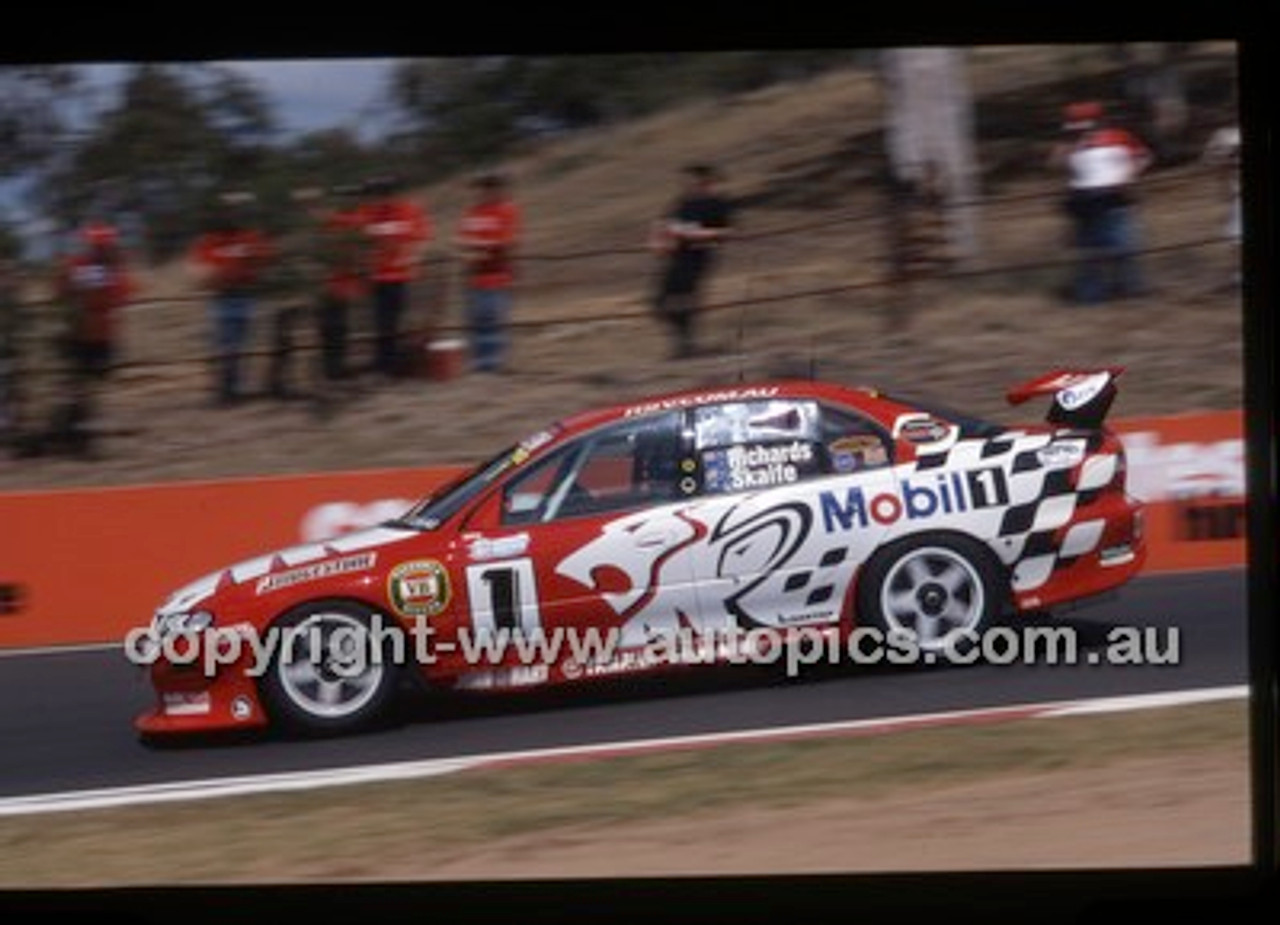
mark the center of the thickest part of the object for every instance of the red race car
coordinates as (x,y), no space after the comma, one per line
(701,521)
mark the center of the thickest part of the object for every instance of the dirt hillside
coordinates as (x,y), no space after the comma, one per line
(800,289)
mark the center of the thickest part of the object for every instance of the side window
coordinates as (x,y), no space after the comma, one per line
(745,446)
(852,443)
(625,466)
(525,498)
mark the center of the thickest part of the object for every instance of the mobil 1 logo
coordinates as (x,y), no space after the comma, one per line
(916,497)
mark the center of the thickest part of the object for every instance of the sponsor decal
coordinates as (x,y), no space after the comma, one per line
(537,441)
(501,547)
(738,468)
(418,588)
(1082,390)
(820,616)
(861,451)
(530,445)
(702,398)
(944,493)
(513,676)
(625,661)
(1061,455)
(921,429)
(1179,471)
(325,521)
(316,571)
(179,703)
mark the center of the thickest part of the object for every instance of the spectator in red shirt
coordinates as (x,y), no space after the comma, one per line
(230,258)
(398,229)
(487,236)
(95,285)
(1102,164)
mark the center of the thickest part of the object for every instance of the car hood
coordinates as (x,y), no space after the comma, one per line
(350,551)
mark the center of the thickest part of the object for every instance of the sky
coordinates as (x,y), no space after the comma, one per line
(316,94)
(305,94)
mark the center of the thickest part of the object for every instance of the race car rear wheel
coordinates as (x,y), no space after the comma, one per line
(943,590)
(329,673)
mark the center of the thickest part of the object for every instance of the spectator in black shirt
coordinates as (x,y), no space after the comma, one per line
(688,238)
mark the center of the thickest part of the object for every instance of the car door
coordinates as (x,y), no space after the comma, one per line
(589,536)
(793,498)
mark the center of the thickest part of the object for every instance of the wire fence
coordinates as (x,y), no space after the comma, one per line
(444,269)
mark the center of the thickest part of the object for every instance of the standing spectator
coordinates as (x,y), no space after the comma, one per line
(1102,164)
(688,237)
(1223,153)
(94,285)
(398,228)
(343,255)
(230,258)
(487,236)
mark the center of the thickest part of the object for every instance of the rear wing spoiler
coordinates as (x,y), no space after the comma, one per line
(1081,398)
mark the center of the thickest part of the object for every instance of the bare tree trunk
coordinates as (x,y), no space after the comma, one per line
(929,131)
(1154,87)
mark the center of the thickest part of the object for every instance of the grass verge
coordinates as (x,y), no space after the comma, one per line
(410,827)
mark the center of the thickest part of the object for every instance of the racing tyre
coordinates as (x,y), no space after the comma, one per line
(329,674)
(940,592)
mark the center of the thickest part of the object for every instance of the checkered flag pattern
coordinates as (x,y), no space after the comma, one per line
(1050,477)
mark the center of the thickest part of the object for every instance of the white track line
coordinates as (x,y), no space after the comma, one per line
(1149,701)
(144,794)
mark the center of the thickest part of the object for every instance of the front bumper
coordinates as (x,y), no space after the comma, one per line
(188,701)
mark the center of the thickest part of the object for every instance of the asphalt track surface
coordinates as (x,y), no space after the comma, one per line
(66,717)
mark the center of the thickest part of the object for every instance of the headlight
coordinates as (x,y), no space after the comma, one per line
(200,620)
(171,624)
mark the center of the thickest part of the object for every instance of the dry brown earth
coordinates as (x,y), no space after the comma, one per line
(794,153)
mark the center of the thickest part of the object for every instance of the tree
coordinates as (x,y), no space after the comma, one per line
(458,110)
(464,111)
(32,118)
(176,136)
(930,134)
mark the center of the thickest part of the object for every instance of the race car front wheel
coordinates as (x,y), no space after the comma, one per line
(330,672)
(939,591)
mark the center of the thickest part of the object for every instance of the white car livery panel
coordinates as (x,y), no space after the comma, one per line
(786,556)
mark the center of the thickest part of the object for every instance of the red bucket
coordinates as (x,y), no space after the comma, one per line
(445,359)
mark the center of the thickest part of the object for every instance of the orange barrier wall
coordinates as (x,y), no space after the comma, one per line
(85,566)
(1190,471)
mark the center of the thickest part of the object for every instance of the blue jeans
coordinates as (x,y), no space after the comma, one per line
(231,315)
(487,311)
(1107,239)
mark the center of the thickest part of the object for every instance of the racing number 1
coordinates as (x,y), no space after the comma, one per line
(503,596)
